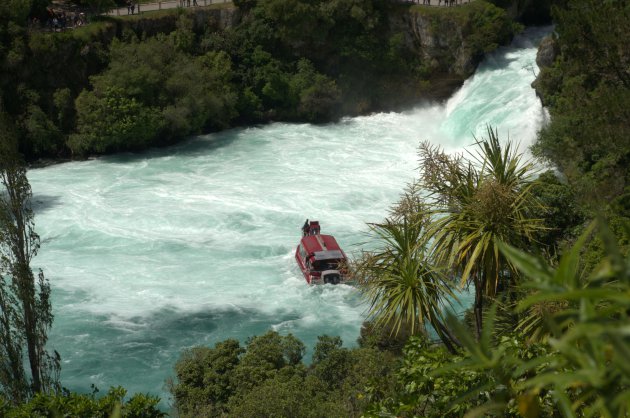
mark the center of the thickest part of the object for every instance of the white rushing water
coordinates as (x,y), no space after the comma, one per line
(151,253)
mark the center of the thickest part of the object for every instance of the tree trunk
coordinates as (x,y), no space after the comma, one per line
(32,346)
(32,311)
(13,379)
(447,337)
(479,286)
(26,284)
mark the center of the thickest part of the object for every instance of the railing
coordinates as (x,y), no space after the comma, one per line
(173,4)
(163,5)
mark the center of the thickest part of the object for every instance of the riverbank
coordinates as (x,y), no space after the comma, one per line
(129,83)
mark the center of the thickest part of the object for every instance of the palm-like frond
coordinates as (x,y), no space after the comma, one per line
(402,288)
(485,201)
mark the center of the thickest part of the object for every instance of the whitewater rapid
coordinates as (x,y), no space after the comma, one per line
(151,253)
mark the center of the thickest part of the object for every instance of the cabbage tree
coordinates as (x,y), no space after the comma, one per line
(403,289)
(474,203)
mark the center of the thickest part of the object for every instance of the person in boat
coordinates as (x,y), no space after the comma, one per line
(305,228)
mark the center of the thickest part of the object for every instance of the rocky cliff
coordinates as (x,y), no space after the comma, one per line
(214,19)
(547,80)
(452,41)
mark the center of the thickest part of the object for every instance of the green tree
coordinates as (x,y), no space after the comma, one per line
(265,357)
(560,212)
(25,299)
(207,378)
(473,205)
(203,386)
(268,378)
(151,94)
(404,290)
(581,367)
(111,122)
(70,404)
(588,89)
(318,96)
(578,366)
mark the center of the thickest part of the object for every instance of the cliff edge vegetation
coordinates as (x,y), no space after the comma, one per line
(585,83)
(128,83)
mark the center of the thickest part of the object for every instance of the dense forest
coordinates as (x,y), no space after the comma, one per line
(123,84)
(547,254)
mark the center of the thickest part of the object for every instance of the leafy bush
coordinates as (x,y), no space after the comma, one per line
(559,209)
(268,378)
(588,89)
(577,366)
(71,404)
(153,93)
(111,122)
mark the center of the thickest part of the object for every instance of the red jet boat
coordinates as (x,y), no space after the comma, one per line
(319,257)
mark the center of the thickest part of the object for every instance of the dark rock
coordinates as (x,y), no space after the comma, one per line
(215,19)
(452,42)
(547,52)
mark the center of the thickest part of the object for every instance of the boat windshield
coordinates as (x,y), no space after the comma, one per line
(321,265)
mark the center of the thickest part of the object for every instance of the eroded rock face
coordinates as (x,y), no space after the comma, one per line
(545,81)
(452,42)
(442,44)
(547,52)
(213,19)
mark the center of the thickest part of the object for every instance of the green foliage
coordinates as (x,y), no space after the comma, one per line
(267,378)
(292,60)
(273,351)
(332,368)
(153,93)
(25,307)
(588,370)
(113,122)
(41,134)
(203,378)
(421,393)
(325,345)
(383,337)
(588,89)
(483,26)
(560,211)
(64,109)
(319,97)
(473,204)
(183,38)
(80,405)
(16,10)
(578,366)
(404,289)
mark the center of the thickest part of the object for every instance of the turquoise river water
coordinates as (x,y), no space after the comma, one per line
(151,253)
